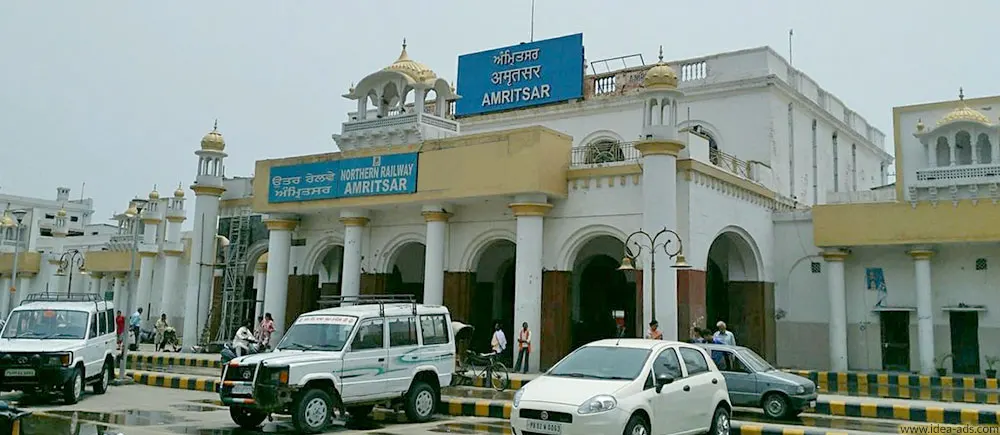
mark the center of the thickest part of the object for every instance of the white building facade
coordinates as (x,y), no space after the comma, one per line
(524,216)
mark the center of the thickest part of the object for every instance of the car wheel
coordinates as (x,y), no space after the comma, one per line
(312,411)
(360,412)
(637,425)
(775,405)
(246,418)
(101,386)
(421,402)
(73,390)
(720,422)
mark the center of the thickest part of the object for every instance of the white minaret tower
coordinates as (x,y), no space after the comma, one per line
(207,189)
(148,251)
(60,229)
(660,146)
(173,248)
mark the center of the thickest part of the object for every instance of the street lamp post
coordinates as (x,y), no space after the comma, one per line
(673,250)
(70,262)
(13,219)
(133,213)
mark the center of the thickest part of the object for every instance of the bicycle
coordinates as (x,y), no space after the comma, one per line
(485,366)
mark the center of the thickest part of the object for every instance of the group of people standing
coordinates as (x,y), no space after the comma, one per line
(701,335)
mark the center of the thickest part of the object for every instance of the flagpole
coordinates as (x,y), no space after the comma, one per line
(532,34)
(790,33)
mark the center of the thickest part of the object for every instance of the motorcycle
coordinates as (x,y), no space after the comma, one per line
(228,352)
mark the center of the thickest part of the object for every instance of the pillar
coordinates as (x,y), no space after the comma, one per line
(107,284)
(95,284)
(5,284)
(170,285)
(144,288)
(260,280)
(838,309)
(434,250)
(201,275)
(353,238)
(659,210)
(119,289)
(279,250)
(925,312)
(528,272)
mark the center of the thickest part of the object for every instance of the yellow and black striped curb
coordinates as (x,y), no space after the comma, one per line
(738,428)
(515,384)
(845,379)
(180,382)
(906,412)
(207,361)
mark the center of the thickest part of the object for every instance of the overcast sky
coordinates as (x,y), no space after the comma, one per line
(117,94)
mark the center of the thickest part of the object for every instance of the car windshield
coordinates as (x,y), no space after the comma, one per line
(318,332)
(602,362)
(47,324)
(755,362)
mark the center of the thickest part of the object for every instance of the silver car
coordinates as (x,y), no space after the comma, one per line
(753,382)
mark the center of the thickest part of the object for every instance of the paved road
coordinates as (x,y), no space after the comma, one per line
(142,410)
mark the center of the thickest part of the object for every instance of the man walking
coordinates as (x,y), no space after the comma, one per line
(133,325)
(524,348)
(724,336)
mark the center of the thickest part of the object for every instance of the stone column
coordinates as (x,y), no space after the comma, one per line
(530,213)
(5,282)
(95,283)
(434,250)
(279,250)
(260,279)
(659,210)
(144,287)
(838,308)
(353,238)
(121,299)
(107,283)
(171,285)
(925,308)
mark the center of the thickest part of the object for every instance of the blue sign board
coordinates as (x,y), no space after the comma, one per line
(524,75)
(391,174)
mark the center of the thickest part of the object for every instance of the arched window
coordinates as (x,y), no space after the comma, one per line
(604,151)
(984,150)
(713,146)
(943,152)
(963,148)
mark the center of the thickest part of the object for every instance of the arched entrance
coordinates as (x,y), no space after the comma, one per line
(600,290)
(735,293)
(406,271)
(329,271)
(493,295)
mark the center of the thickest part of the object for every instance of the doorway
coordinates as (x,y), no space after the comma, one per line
(965,342)
(895,326)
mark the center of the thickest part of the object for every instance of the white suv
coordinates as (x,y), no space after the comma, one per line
(631,386)
(381,350)
(57,343)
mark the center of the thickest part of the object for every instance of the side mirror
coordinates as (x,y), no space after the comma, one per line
(662,380)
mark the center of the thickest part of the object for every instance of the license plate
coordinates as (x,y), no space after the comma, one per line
(545,427)
(245,390)
(812,403)
(20,372)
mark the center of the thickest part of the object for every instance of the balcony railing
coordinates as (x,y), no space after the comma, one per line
(730,163)
(604,154)
(861,197)
(957,173)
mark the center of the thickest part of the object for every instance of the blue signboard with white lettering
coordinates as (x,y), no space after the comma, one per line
(391,174)
(524,75)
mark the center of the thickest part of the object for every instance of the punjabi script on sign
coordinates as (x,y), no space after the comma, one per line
(515,75)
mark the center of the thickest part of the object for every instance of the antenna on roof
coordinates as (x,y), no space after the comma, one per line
(791,32)
(531,35)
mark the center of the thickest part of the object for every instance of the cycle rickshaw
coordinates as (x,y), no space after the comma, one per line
(471,365)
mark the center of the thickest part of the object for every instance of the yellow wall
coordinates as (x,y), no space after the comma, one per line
(525,160)
(109,261)
(899,223)
(29,262)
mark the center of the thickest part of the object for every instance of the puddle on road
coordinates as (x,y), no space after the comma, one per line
(280,427)
(132,417)
(40,424)
(215,402)
(198,408)
(473,428)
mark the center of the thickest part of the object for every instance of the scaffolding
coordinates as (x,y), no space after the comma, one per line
(237,303)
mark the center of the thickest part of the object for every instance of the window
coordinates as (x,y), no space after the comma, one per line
(74,218)
(981,264)
(791,151)
(694,360)
(403,331)
(603,151)
(728,362)
(667,363)
(815,173)
(854,167)
(110,315)
(816,267)
(603,362)
(836,165)
(93,325)
(434,329)
(102,318)
(371,335)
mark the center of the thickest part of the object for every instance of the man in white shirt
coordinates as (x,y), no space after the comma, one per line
(499,341)
(724,336)
(241,343)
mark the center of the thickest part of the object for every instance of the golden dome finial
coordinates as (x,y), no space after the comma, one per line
(961,94)
(213,141)
(413,69)
(660,76)
(62,211)
(154,195)
(179,193)
(964,113)
(351,90)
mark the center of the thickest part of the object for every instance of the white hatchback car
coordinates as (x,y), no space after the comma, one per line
(630,386)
